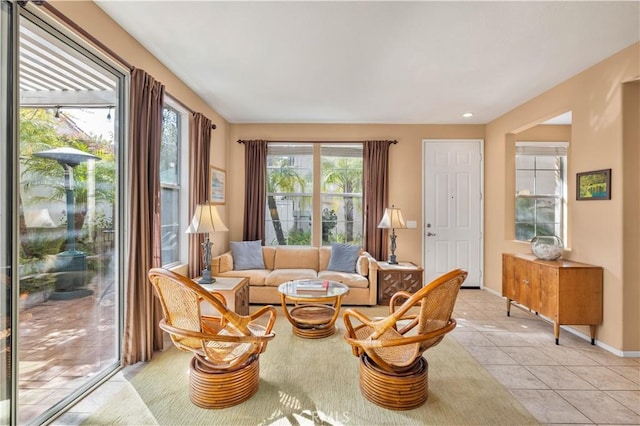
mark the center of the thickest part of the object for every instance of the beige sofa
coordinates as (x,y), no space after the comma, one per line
(286,263)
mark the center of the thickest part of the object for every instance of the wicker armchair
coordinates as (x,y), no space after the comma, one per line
(226,347)
(393,372)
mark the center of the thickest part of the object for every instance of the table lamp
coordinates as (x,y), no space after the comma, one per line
(206,220)
(392,219)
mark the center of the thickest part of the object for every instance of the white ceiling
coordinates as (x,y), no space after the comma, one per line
(375,62)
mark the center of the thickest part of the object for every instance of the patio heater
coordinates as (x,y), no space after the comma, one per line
(71,264)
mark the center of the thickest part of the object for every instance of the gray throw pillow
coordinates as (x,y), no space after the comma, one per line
(343,257)
(247,255)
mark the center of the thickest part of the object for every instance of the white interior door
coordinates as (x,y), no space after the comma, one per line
(453,208)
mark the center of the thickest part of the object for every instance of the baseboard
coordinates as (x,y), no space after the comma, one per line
(569,329)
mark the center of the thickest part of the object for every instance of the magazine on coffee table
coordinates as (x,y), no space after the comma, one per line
(312,286)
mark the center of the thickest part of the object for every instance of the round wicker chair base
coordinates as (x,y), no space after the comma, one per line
(221,389)
(396,391)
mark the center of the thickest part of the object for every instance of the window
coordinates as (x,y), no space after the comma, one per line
(172,175)
(289,195)
(307,182)
(341,194)
(540,189)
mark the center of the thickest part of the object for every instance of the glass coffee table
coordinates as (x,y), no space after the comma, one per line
(316,305)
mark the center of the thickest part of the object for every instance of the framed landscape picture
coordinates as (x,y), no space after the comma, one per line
(595,185)
(217,185)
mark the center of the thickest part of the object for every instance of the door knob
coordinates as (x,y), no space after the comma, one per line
(430,234)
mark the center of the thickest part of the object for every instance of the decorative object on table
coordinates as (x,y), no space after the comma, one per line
(218,183)
(392,219)
(206,220)
(595,185)
(71,263)
(312,285)
(547,247)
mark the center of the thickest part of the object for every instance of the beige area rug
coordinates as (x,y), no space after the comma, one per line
(315,382)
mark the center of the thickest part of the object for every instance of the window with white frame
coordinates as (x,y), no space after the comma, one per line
(341,197)
(288,219)
(314,191)
(540,189)
(173,197)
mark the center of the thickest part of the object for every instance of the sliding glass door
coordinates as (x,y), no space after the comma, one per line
(60,219)
(6,138)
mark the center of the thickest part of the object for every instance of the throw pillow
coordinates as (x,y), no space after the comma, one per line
(343,257)
(247,255)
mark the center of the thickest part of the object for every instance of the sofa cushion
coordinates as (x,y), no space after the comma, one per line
(343,257)
(296,257)
(247,255)
(325,255)
(351,280)
(279,276)
(256,276)
(269,254)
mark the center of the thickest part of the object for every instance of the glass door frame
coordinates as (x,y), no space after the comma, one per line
(8,224)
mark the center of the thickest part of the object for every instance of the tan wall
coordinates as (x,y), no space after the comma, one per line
(542,133)
(596,228)
(88,16)
(405,165)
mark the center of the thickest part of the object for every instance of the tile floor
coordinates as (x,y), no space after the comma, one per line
(570,383)
(573,382)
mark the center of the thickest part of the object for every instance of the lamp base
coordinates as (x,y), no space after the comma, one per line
(392,257)
(206,277)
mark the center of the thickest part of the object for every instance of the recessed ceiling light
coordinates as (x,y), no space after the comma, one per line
(467,114)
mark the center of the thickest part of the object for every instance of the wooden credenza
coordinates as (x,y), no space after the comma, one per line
(568,293)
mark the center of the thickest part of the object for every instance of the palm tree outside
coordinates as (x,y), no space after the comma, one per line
(283,178)
(343,176)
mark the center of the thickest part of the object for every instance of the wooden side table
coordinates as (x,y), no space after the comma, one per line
(235,290)
(393,278)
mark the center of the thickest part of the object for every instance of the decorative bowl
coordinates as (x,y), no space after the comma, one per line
(547,247)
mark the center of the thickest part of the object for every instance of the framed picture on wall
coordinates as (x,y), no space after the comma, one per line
(217,185)
(595,185)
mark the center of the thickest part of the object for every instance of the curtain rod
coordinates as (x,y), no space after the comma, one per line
(98,43)
(213,126)
(245,140)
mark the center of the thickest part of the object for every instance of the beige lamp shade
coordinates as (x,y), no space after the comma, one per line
(206,219)
(392,219)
